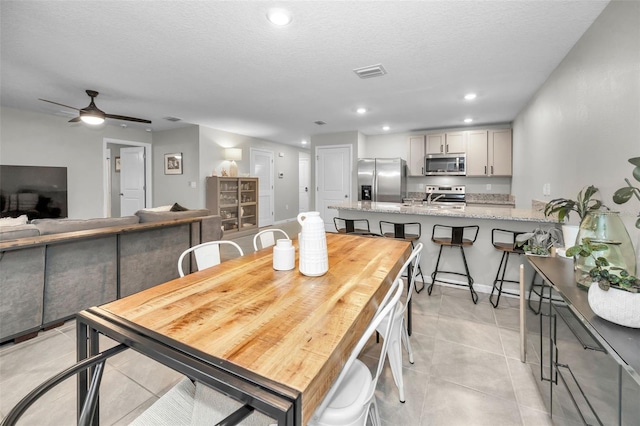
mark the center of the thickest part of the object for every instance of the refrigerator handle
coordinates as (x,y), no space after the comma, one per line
(375,187)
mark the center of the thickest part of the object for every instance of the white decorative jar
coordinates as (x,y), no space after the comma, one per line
(284,255)
(617,306)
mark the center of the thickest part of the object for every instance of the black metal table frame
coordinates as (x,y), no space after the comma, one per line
(271,398)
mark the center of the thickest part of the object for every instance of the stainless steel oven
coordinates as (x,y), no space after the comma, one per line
(450,164)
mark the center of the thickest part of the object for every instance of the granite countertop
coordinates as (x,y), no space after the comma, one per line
(478,212)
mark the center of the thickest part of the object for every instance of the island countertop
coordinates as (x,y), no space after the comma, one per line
(472,212)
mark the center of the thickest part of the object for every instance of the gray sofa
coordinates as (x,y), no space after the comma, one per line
(53,268)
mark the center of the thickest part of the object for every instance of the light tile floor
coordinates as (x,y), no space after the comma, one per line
(467,370)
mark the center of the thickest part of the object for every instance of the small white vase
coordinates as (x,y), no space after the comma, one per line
(617,306)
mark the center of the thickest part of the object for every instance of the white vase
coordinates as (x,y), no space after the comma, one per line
(569,235)
(313,259)
(617,306)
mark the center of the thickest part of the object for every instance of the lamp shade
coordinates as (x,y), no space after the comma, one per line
(233,154)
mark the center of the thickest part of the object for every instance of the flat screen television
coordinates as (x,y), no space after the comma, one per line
(37,191)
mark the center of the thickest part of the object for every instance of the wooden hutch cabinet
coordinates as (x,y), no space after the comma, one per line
(235,199)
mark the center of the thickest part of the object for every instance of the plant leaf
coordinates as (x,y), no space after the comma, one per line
(623,195)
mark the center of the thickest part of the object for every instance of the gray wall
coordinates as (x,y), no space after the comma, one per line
(34,139)
(169,189)
(584,122)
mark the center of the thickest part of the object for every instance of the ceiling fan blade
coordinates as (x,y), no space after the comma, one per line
(122,117)
(74,120)
(57,103)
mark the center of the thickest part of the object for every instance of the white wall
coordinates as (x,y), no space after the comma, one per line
(34,139)
(584,122)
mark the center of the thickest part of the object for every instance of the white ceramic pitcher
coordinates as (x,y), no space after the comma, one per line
(313,259)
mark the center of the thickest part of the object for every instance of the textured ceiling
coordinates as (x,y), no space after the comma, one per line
(224,66)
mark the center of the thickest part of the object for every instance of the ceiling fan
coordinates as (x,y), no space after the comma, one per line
(94,115)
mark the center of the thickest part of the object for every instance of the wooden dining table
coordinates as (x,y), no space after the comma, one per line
(275,340)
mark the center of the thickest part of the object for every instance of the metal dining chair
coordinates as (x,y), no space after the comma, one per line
(351,399)
(267,238)
(206,254)
(398,333)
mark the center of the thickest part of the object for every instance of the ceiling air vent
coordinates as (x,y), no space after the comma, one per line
(320,123)
(370,71)
(174,119)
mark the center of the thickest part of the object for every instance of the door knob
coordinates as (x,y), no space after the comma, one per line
(306,189)
(121,194)
(346,196)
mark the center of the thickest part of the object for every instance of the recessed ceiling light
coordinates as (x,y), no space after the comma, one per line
(385,128)
(470,96)
(279,17)
(303,142)
(468,120)
(361,110)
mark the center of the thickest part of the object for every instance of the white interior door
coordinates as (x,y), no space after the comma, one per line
(262,168)
(333,180)
(304,182)
(132,182)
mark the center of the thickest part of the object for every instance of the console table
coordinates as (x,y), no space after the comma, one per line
(588,369)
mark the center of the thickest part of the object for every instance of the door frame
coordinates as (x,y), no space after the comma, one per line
(316,170)
(106,181)
(304,157)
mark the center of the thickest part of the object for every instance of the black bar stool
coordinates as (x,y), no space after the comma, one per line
(498,237)
(411,232)
(454,236)
(347,226)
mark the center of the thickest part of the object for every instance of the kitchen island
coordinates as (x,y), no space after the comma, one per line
(482,257)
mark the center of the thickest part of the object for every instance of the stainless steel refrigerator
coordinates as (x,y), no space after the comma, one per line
(382,179)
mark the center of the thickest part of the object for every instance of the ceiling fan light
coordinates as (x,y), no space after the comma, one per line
(91,119)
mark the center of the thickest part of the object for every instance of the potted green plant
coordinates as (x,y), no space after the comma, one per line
(583,203)
(620,305)
(623,195)
(538,242)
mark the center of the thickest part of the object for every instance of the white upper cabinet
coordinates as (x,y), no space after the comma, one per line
(455,142)
(436,143)
(445,143)
(500,148)
(489,152)
(477,153)
(416,156)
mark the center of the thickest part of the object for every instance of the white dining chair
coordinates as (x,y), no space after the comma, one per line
(399,334)
(351,398)
(267,238)
(206,254)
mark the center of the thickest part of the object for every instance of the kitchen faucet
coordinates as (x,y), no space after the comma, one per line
(429,200)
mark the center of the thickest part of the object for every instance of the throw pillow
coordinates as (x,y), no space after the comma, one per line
(14,221)
(178,208)
(159,209)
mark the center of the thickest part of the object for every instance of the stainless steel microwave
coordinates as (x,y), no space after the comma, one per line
(450,164)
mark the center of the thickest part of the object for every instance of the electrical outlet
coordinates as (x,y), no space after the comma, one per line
(192,184)
(488,187)
(546,189)
(286,206)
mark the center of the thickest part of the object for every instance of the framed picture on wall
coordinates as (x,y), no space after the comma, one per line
(173,164)
(117,162)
